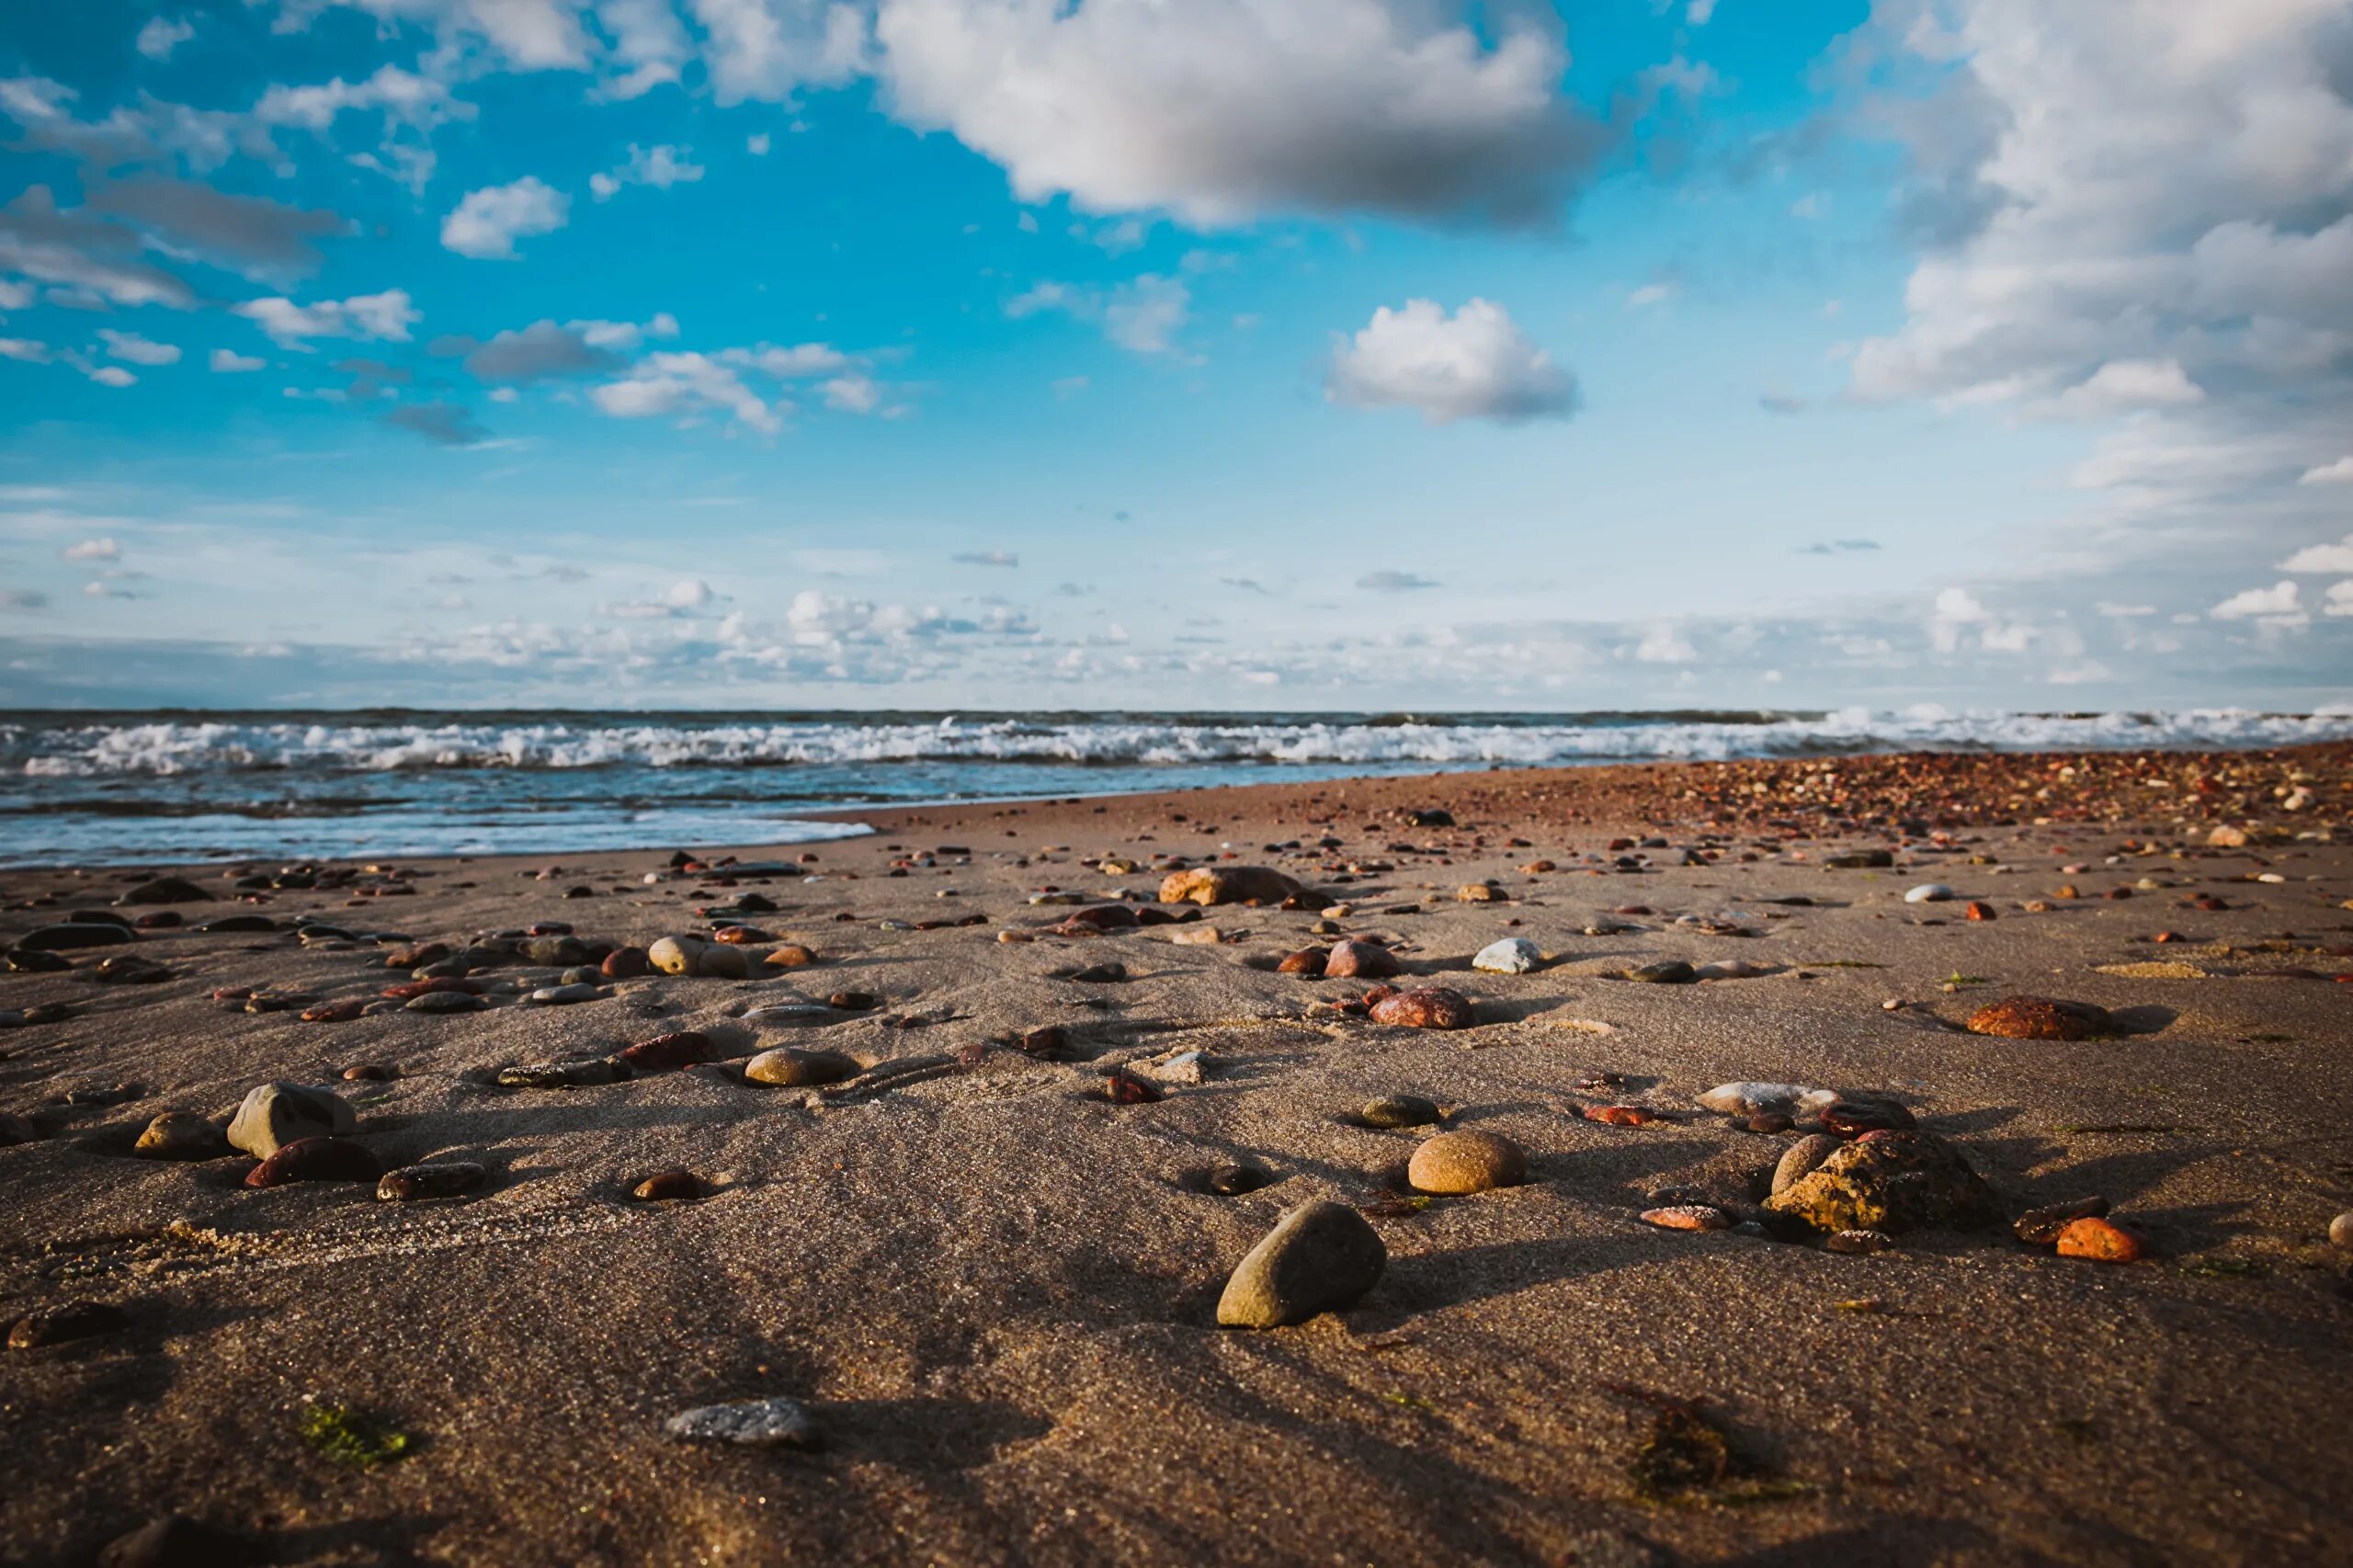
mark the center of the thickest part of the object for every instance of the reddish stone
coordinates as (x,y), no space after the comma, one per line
(1307,960)
(1360,960)
(1620,1115)
(1102,918)
(668,1053)
(2038,1018)
(735,936)
(317,1159)
(665,1185)
(626,963)
(449,984)
(335,1012)
(1976,911)
(1427,1007)
(2101,1241)
(1124,1087)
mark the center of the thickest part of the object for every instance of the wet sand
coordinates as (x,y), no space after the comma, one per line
(996,1289)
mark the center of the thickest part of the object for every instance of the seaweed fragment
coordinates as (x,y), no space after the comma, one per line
(353,1438)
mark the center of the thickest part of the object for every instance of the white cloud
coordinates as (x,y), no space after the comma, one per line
(487,223)
(661,167)
(111,376)
(2124,384)
(1474,365)
(2337,473)
(757,144)
(1222,111)
(1143,316)
(92,549)
(138,350)
(162,35)
(2279,599)
(228,361)
(24,349)
(1665,643)
(2340,598)
(1656,292)
(769,48)
(2322,558)
(677,384)
(384,317)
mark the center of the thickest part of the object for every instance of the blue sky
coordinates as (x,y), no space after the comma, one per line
(1323,354)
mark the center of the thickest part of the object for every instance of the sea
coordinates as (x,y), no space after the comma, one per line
(129,787)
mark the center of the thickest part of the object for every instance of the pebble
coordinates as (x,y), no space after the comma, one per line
(1231,1181)
(1319,1257)
(666,1053)
(1747,1098)
(1307,960)
(2340,1229)
(1665,971)
(2100,1241)
(1734,969)
(1398,1111)
(626,963)
(1929,892)
(2040,1227)
(793,1014)
(167,890)
(317,1159)
(1512,955)
(775,1422)
(1620,1115)
(1799,1158)
(45,1326)
(1227,884)
(74,933)
(664,1187)
(182,1135)
(1360,960)
(1478,892)
(444,1002)
(1183,1067)
(2040,1018)
(558,1074)
(558,996)
(791,955)
(1851,1117)
(445,1178)
(276,1114)
(1888,1181)
(1859,1243)
(1426,1007)
(1687,1217)
(791,1069)
(1466,1162)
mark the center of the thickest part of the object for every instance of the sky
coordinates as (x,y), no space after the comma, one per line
(1371,355)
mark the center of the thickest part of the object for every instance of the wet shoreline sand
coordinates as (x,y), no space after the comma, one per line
(994,1288)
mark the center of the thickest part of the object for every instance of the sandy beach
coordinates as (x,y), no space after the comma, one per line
(986,1258)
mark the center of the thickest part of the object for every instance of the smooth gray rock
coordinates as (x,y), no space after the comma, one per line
(277,1114)
(1513,955)
(777,1423)
(1320,1258)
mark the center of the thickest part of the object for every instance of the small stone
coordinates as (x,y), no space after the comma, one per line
(368,1073)
(440,1003)
(1231,1181)
(791,1069)
(45,1326)
(1979,911)
(1360,960)
(317,1159)
(279,1113)
(854,1000)
(1859,1243)
(1745,1098)
(2340,1231)
(1228,884)
(1862,860)
(182,1135)
(664,1186)
(1478,892)
(1620,1115)
(791,955)
(1512,955)
(1048,1042)
(2227,837)
(2099,1240)
(1665,971)
(675,955)
(2040,1227)
(1466,1162)
(1319,1257)
(777,1423)
(1687,1217)
(1307,960)
(560,995)
(1799,1158)
(1851,1117)
(1124,1087)
(167,890)
(626,963)
(1426,1007)
(2038,1018)
(74,933)
(559,1074)
(1398,1111)
(666,1052)
(1929,893)
(416,1184)
(1185,1067)
(1888,1181)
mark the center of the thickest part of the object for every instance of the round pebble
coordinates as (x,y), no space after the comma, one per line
(1466,1162)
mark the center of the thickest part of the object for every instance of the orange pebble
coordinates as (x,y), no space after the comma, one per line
(2102,1240)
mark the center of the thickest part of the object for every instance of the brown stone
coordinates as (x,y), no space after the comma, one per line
(1228,884)
(2040,1018)
(2101,1241)
(1427,1007)
(1360,960)
(1307,960)
(1464,1162)
(668,1053)
(663,1186)
(317,1159)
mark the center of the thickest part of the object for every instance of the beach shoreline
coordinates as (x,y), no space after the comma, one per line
(994,1285)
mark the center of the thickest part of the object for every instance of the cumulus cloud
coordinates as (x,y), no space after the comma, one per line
(245,233)
(1475,364)
(384,317)
(92,549)
(229,362)
(1225,110)
(2123,384)
(2275,602)
(2322,558)
(138,350)
(660,168)
(2337,473)
(1143,316)
(162,35)
(443,424)
(85,256)
(770,48)
(682,385)
(541,350)
(485,224)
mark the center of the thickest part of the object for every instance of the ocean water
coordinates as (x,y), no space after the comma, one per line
(169,786)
